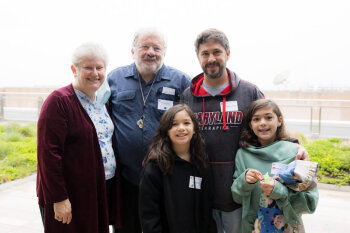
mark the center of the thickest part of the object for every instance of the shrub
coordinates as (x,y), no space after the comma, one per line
(15,132)
(12,137)
(17,151)
(28,130)
(7,174)
(18,160)
(12,127)
(333,157)
(5,149)
(18,155)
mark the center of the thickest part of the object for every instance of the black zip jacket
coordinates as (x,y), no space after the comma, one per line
(168,204)
(221,118)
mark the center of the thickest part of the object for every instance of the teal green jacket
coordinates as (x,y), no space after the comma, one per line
(292,203)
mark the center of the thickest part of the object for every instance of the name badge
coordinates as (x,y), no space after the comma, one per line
(164,104)
(195,182)
(168,91)
(231,106)
(276,167)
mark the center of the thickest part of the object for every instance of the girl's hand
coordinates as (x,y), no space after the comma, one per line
(267,187)
(252,176)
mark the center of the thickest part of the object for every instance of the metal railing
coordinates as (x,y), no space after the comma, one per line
(30,102)
(311,112)
(2,104)
(316,109)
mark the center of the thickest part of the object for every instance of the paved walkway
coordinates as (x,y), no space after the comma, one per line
(19,212)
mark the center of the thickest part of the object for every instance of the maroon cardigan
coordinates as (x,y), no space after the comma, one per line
(70,166)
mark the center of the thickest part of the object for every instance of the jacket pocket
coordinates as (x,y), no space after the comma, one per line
(171,95)
(125,101)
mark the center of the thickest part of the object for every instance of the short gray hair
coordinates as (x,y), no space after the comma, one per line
(147,32)
(212,34)
(89,50)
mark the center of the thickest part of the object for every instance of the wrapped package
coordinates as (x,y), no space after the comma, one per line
(299,175)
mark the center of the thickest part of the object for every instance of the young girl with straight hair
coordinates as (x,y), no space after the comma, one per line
(175,187)
(265,149)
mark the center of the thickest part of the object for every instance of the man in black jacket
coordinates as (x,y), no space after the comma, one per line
(219,99)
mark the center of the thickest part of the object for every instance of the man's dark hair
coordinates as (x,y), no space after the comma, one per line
(212,34)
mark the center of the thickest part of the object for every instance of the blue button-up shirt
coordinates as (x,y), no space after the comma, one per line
(128,107)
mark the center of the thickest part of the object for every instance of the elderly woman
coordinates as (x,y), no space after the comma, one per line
(77,181)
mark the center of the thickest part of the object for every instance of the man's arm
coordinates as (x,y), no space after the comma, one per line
(302,153)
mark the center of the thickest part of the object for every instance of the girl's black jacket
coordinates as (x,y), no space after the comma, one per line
(168,204)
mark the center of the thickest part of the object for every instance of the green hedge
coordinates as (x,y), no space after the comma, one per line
(333,157)
(17,151)
(18,155)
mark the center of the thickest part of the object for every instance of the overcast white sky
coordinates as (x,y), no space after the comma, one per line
(305,41)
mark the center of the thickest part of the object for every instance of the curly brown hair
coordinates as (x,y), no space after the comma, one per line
(161,150)
(248,137)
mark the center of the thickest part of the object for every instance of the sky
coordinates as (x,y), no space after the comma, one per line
(275,44)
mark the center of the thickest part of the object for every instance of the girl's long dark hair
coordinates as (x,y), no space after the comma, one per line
(248,137)
(160,149)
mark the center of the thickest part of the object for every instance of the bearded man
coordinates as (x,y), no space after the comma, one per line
(140,94)
(218,97)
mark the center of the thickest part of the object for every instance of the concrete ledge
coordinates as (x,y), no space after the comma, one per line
(333,187)
(17,182)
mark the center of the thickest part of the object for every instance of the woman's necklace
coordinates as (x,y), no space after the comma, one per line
(140,122)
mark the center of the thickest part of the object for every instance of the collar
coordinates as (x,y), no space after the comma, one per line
(179,159)
(82,97)
(199,91)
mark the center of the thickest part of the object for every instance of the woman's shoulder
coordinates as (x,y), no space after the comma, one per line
(66,91)
(60,101)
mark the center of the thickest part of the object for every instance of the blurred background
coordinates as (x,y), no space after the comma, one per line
(296,52)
